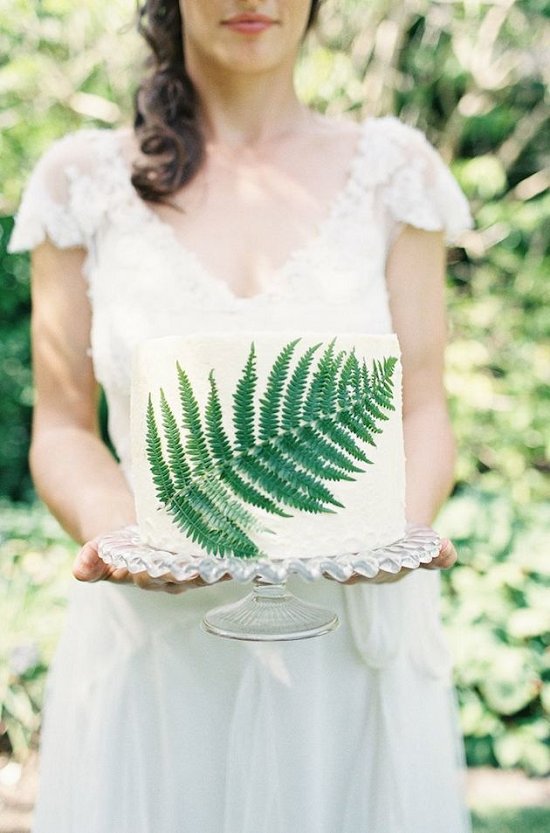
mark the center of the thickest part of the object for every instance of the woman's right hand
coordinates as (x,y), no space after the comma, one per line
(89,566)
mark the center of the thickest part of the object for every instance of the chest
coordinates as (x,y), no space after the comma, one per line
(243,239)
(265,253)
(145,283)
(244,222)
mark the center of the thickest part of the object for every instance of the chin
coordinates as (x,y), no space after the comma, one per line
(252,56)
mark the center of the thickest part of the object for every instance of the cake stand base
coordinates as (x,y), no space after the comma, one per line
(269,614)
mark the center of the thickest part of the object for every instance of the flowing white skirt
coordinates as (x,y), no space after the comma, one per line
(153,726)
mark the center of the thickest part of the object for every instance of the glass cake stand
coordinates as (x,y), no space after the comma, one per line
(270,612)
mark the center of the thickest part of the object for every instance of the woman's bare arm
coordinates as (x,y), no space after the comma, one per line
(415,275)
(416,284)
(73,471)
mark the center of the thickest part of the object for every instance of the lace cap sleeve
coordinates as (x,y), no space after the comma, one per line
(47,207)
(420,190)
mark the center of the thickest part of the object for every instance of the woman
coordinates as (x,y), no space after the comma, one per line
(229,206)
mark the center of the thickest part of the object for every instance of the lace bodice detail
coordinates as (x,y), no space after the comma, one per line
(142,282)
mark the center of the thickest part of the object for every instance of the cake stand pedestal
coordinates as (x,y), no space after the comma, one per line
(270,612)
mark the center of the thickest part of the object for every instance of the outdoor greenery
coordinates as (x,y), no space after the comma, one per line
(473,76)
(532,819)
(34,580)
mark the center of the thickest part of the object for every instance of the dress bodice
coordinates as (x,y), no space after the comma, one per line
(142,282)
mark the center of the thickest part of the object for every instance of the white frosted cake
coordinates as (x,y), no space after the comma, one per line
(268,444)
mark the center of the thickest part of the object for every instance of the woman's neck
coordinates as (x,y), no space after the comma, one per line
(246,109)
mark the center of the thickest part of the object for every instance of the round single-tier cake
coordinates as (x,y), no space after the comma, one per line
(268,444)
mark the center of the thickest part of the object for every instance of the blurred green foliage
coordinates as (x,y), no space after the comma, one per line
(473,76)
(532,819)
(15,374)
(495,607)
(34,580)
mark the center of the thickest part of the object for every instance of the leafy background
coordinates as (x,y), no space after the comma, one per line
(473,76)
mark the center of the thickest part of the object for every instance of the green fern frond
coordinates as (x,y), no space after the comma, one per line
(365,378)
(277,486)
(382,373)
(226,503)
(192,523)
(243,404)
(308,483)
(382,388)
(354,421)
(270,402)
(196,440)
(310,459)
(250,493)
(329,397)
(356,371)
(377,391)
(378,400)
(314,397)
(326,449)
(347,382)
(159,470)
(214,539)
(309,434)
(341,438)
(176,454)
(218,440)
(293,403)
(230,534)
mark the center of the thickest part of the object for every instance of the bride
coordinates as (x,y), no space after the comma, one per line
(230,205)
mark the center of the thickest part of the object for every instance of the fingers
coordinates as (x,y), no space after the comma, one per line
(445,559)
(88,565)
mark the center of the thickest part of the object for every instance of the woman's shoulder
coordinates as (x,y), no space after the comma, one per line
(387,143)
(80,151)
(67,187)
(416,185)
(400,141)
(395,127)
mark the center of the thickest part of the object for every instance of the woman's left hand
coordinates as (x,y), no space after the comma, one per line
(445,559)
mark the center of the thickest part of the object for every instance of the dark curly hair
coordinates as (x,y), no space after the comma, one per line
(166,121)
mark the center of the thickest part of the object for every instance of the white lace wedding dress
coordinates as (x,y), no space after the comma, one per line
(151,725)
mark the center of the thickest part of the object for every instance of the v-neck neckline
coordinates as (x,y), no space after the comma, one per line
(280,274)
